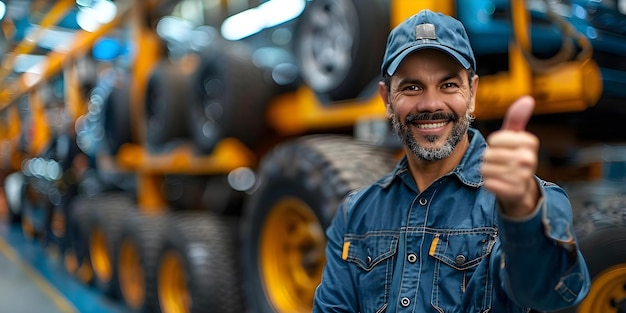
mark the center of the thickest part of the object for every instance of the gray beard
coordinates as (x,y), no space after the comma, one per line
(459,129)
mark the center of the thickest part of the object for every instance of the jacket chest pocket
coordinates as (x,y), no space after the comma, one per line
(461,271)
(372,258)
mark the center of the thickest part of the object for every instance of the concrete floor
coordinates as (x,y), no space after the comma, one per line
(33,280)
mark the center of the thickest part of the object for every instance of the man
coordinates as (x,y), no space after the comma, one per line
(462,224)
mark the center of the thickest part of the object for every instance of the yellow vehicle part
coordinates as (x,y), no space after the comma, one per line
(74,99)
(56,13)
(607,290)
(228,155)
(173,294)
(570,86)
(38,129)
(148,53)
(300,111)
(13,137)
(100,256)
(292,255)
(131,275)
(403,9)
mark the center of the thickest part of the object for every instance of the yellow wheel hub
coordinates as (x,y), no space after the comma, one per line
(608,289)
(100,258)
(173,294)
(292,255)
(28,228)
(58,224)
(132,279)
(79,268)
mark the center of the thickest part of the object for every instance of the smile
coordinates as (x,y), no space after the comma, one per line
(431,125)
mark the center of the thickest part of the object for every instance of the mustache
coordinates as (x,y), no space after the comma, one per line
(425,116)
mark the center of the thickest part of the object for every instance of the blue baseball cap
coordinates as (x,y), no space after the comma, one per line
(428,30)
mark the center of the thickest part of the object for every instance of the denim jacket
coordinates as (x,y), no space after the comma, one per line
(392,248)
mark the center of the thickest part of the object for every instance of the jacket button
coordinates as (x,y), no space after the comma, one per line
(423,201)
(369,260)
(460,259)
(412,257)
(405,302)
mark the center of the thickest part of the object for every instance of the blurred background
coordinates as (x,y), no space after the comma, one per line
(188,155)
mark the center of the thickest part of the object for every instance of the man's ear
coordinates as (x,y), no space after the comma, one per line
(383,91)
(474,91)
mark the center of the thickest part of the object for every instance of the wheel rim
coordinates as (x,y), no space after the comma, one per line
(292,255)
(608,291)
(28,227)
(85,272)
(173,293)
(132,279)
(326,45)
(70,261)
(79,268)
(100,256)
(57,224)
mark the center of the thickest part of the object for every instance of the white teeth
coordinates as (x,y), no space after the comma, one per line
(432,125)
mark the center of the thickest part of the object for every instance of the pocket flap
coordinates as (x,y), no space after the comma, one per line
(463,250)
(370,249)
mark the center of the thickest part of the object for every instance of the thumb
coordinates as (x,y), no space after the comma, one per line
(518,114)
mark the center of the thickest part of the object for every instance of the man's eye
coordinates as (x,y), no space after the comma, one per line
(412,88)
(449,85)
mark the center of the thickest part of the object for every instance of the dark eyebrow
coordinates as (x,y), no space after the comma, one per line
(413,81)
(409,81)
(451,76)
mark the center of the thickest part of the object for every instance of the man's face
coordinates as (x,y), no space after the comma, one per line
(430,103)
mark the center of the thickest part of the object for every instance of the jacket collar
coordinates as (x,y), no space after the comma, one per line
(467,171)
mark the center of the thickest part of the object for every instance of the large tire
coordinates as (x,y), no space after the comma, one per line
(167,96)
(76,252)
(110,212)
(142,237)
(33,212)
(117,116)
(232,97)
(301,186)
(601,229)
(605,254)
(340,46)
(198,269)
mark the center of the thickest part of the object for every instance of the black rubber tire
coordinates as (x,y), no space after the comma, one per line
(602,249)
(367,25)
(117,117)
(145,233)
(168,94)
(56,226)
(64,209)
(109,213)
(208,247)
(211,193)
(600,227)
(318,170)
(77,237)
(33,212)
(232,96)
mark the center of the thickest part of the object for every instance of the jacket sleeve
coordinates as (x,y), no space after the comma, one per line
(336,292)
(541,266)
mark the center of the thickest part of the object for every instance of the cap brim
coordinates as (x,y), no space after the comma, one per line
(396,62)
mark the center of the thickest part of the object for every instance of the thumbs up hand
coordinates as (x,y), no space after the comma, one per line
(510,161)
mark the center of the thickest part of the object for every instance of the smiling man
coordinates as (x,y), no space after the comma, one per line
(462,224)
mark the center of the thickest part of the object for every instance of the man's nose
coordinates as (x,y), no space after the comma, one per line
(430,101)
